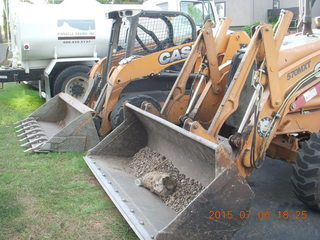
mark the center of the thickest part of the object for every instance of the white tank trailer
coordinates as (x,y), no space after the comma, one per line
(58,43)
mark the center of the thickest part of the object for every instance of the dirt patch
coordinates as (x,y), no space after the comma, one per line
(146,161)
(94,181)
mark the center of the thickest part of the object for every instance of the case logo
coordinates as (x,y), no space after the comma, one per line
(175,55)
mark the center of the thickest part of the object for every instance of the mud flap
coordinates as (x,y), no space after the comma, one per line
(62,124)
(193,156)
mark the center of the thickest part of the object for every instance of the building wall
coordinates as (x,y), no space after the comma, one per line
(246,12)
(239,11)
(289,3)
(260,10)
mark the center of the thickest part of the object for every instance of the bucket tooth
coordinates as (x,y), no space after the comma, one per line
(27,144)
(21,122)
(42,139)
(33,148)
(31,136)
(22,134)
(25,123)
(37,129)
(27,127)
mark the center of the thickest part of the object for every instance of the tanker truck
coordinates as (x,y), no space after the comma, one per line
(55,45)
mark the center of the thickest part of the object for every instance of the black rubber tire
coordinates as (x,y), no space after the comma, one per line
(116,116)
(306,173)
(67,74)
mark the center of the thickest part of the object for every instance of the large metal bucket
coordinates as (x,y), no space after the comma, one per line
(62,124)
(196,157)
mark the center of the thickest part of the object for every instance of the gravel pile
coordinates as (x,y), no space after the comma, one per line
(146,161)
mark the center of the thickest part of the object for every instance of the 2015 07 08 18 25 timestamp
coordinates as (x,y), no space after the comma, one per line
(265,214)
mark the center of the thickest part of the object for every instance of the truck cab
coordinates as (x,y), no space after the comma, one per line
(199,10)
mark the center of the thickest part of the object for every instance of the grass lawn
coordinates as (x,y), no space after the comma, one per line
(48,196)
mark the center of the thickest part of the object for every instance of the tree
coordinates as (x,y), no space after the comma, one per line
(4,15)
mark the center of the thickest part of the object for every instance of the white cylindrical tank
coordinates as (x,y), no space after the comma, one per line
(66,30)
(72,29)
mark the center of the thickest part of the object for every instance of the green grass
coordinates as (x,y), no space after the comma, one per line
(48,196)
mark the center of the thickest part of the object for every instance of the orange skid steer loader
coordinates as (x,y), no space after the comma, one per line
(66,124)
(165,178)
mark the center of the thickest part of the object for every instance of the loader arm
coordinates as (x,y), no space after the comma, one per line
(213,73)
(262,42)
(95,75)
(206,43)
(295,115)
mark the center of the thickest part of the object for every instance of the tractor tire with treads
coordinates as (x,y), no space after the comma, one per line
(306,173)
(117,117)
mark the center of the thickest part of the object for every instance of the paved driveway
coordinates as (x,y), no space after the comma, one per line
(273,191)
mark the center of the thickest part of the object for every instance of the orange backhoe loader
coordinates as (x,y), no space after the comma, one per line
(165,178)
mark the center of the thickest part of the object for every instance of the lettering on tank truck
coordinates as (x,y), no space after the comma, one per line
(72,31)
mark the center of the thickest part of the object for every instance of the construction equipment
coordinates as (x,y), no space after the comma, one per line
(53,46)
(107,92)
(121,88)
(267,101)
(133,34)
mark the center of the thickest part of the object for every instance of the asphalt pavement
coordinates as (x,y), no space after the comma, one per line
(289,218)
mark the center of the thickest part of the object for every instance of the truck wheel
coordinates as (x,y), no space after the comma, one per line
(116,116)
(306,173)
(73,80)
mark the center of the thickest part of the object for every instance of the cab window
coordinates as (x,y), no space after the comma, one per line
(199,11)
